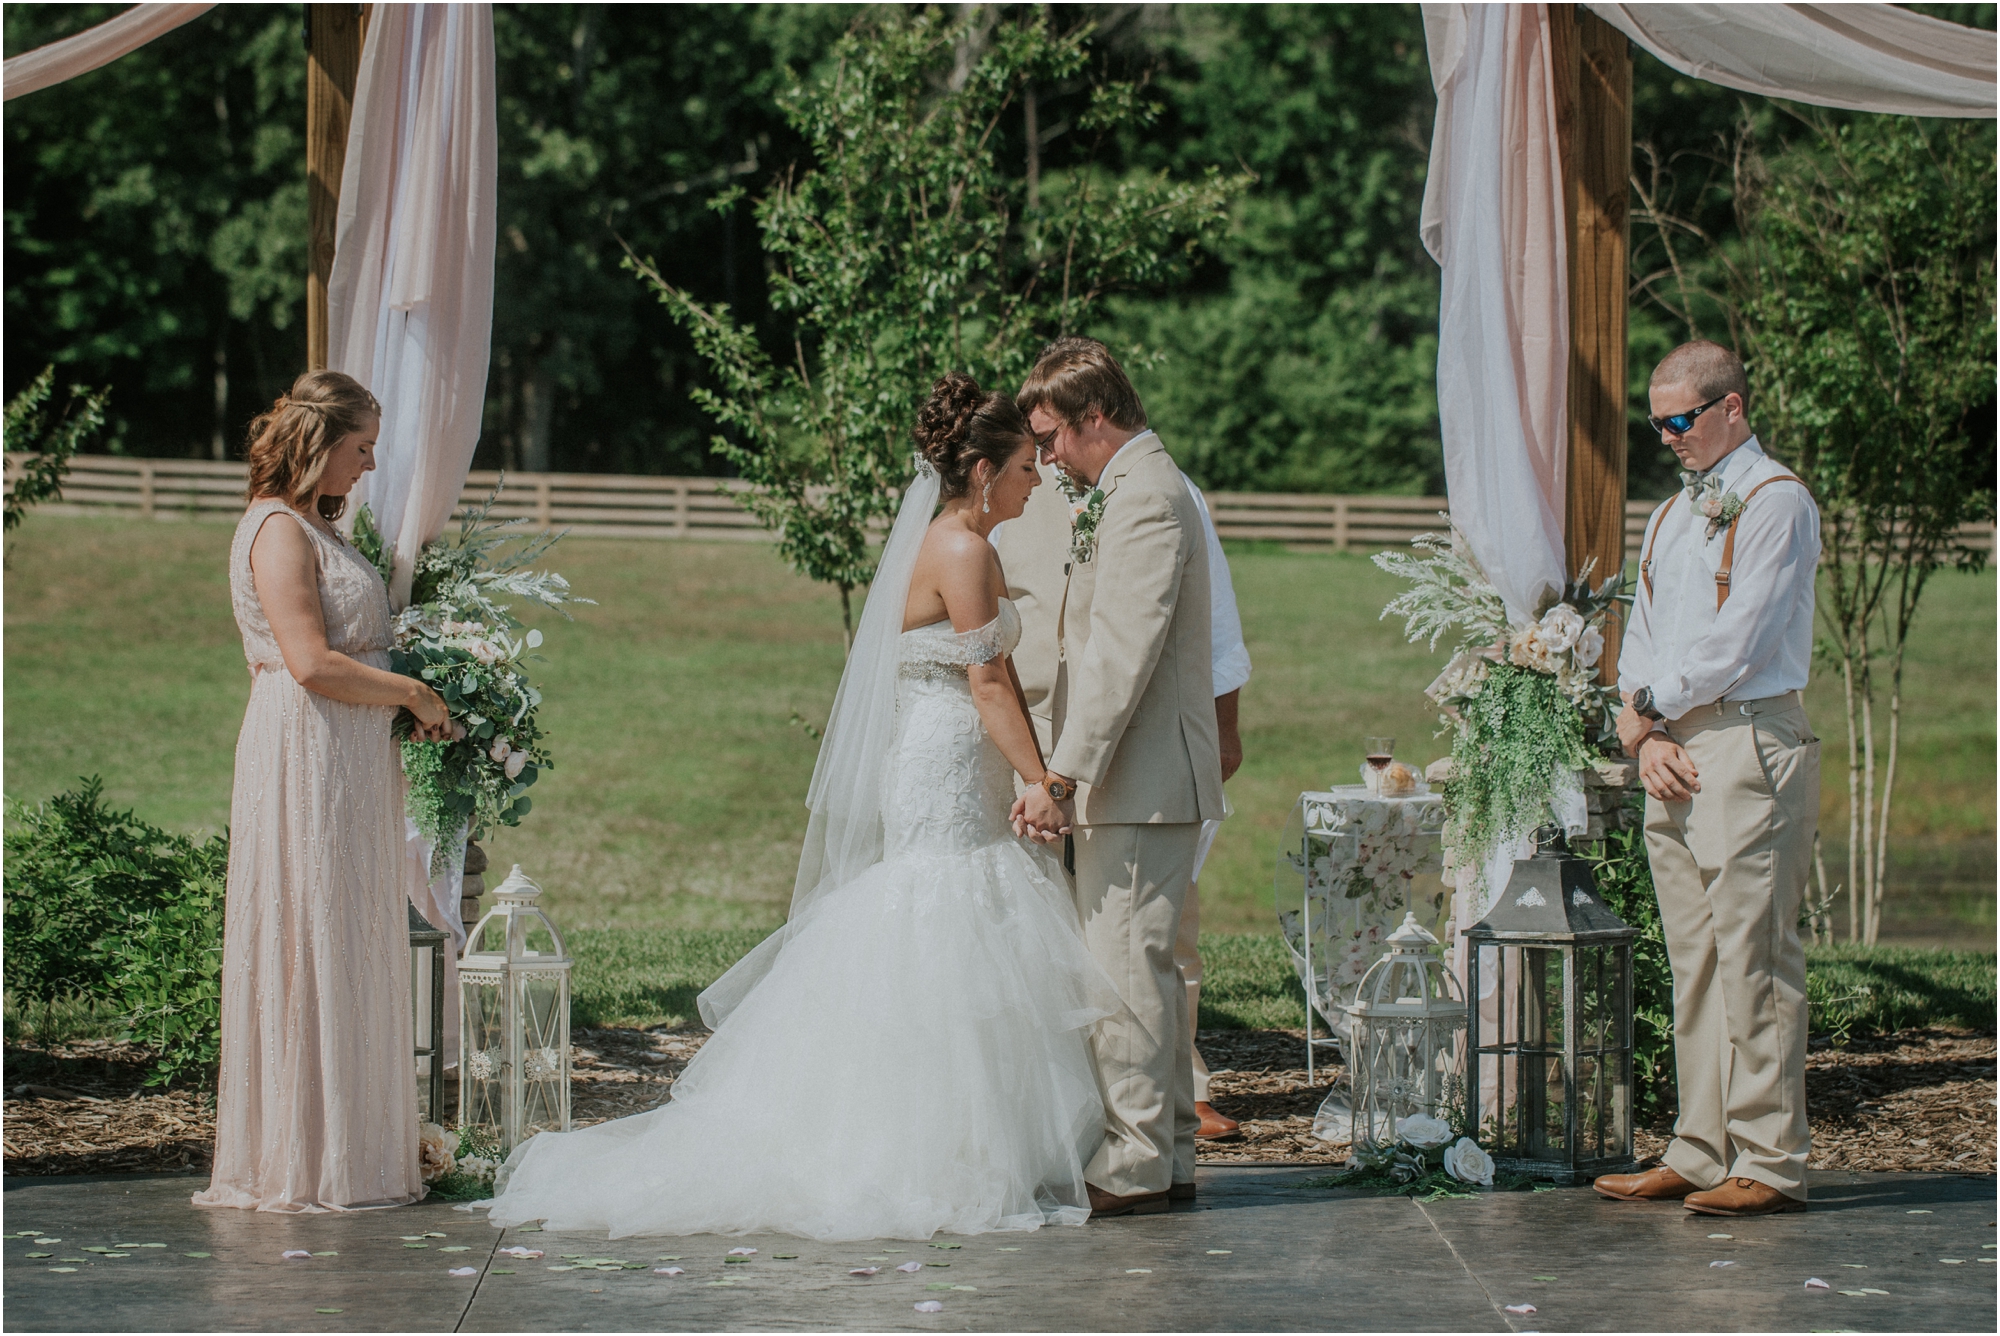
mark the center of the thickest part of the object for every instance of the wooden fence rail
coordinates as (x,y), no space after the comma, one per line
(623,506)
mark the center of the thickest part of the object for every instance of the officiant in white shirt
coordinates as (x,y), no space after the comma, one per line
(1714,660)
(1033,549)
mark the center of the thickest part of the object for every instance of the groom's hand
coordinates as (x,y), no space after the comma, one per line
(1040,816)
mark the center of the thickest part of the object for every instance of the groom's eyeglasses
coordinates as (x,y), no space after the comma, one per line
(1683,423)
(1044,444)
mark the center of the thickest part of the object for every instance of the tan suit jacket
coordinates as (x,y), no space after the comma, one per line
(1133,707)
(1034,550)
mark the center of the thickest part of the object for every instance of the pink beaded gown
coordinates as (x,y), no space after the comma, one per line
(316,1107)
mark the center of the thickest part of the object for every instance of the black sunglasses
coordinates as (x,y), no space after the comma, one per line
(1682,423)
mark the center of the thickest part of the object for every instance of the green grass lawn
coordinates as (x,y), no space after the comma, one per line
(676,804)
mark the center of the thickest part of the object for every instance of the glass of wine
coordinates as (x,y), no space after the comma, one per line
(1379,751)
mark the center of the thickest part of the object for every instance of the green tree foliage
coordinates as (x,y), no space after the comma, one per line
(908,248)
(51,441)
(155,223)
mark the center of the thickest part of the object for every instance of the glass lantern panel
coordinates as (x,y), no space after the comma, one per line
(544,1012)
(483,1068)
(1541,1086)
(420,1004)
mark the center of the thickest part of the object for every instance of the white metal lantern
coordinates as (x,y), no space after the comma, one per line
(513,994)
(1408,1027)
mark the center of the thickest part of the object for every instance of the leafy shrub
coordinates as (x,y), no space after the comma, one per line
(1625,881)
(104,910)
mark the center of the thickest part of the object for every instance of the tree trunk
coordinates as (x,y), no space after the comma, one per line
(538,392)
(218,443)
(1030,116)
(1868,807)
(1853,808)
(847,618)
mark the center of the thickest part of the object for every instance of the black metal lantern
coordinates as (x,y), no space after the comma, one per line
(1550,1081)
(427,995)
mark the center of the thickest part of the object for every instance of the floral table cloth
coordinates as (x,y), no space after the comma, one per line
(1350,866)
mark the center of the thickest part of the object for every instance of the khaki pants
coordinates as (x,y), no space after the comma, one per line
(1131,882)
(1730,869)
(1187,959)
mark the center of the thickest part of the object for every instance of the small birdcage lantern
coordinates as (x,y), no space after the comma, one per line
(1407,1022)
(1551,1072)
(513,990)
(427,1005)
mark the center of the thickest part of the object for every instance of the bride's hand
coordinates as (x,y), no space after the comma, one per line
(1040,816)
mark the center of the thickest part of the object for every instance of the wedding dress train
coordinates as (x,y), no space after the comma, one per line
(910,1057)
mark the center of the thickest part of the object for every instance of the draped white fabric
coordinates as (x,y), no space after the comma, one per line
(93,47)
(1859,57)
(410,299)
(1493,220)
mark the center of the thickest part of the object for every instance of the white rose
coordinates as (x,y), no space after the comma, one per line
(1590,647)
(435,1148)
(1530,649)
(516,763)
(1561,625)
(499,751)
(1423,1131)
(1467,1163)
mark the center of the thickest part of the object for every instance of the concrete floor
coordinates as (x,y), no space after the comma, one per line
(1255,1254)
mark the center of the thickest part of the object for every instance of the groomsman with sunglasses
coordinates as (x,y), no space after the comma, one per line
(1711,670)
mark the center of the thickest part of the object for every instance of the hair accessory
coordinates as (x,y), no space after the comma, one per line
(925,467)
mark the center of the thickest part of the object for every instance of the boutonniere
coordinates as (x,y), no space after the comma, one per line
(1721,508)
(1086,508)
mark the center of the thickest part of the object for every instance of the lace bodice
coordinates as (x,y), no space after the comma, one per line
(949,786)
(352,597)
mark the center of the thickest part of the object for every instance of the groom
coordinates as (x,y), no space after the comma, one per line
(1136,765)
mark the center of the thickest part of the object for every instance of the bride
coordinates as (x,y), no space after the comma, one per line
(908,1054)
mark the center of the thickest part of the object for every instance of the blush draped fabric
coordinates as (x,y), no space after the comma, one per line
(1859,57)
(93,48)
(316,1104)
(410,298)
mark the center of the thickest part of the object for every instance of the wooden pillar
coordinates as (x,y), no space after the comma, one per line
(334,35)
(1593,64)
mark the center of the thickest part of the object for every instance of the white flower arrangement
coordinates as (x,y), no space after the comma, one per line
(1427,1160)
(1467,1163)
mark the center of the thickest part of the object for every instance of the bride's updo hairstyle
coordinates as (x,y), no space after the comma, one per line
(289,445)
(961,424)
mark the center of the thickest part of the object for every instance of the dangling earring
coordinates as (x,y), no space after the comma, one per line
(986,499)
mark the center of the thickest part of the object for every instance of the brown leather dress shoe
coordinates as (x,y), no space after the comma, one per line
(1213,1124)
(1658,1184)
(1742,1196)
(1181,1192)
(1104,1205)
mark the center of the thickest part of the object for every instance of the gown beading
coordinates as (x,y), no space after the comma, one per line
(915,1061)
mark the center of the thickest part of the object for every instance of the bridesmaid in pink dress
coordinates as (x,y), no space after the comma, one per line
(317,1101)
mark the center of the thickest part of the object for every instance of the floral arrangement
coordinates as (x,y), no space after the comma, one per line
(1086,509)
(1428,1160)
(458,1165)
(459,638)
(1522,698)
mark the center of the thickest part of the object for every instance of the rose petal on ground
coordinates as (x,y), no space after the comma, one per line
(499,1271)
(669,1271)
(864,1271)
(1815,1283)
(113,1254)
(197,1254)
(937,1263)
(1544,1277)
(1006,1250)
(940,1288)
(1722,1236)
(463,1271)
(295,1252)
(41,1254)
(63,1270)
(566,1266)
(1138,1270)
(969,1289)
(1916,1213)
(1855,1266)
(1952,1261)
(329,1310)
(1722,1264)
(430,1234)
(1220,1252)
(1522,1309)
(142,1245)
(409,1238)
(416,1245)
(1854,1294)
(742,1252)
(1865,1291)
(328,1253)
(46,1242)
(722,1282)
(456,1247)
(736,1261)
(784,1257)
(930,1306)
(72,1259)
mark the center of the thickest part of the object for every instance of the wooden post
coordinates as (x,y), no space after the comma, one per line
(1593,64)
(334,34)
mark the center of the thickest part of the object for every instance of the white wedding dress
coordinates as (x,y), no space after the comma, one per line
(913,1057)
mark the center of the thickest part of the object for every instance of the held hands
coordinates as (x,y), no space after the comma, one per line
(1666,770)
(1041,817)
(433,719)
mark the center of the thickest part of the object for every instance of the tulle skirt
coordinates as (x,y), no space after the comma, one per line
(916,1061)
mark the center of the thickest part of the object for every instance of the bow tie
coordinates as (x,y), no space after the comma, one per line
(1694,484)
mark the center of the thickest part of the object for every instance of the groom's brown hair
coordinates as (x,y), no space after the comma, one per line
(1074,375)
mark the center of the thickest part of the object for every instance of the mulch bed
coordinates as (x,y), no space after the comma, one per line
(1918,1100)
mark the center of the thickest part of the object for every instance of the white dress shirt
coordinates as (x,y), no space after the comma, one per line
(1230,657)
(1760,642)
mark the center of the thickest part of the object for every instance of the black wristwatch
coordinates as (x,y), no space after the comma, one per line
(1642,704)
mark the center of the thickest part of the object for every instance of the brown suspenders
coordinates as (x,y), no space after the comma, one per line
(1728,540)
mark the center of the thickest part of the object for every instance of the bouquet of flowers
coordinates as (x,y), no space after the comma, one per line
(458,1165)
(1522,698)
(459,638)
